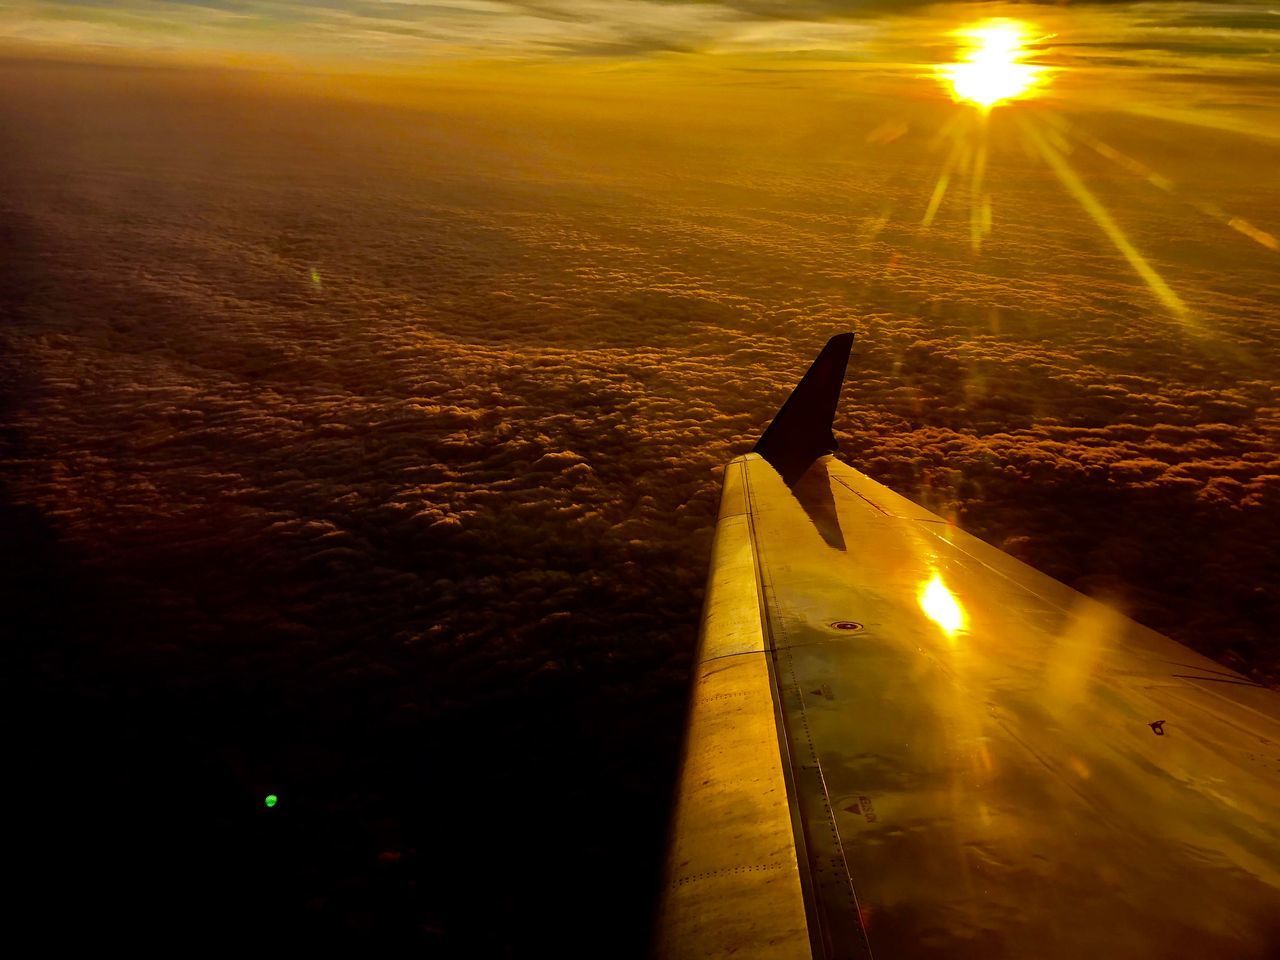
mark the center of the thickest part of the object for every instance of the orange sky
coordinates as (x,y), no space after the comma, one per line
(1208,64)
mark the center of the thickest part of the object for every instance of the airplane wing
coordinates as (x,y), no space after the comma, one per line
(903,743)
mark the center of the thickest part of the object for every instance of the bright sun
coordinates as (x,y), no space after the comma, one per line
(991,70)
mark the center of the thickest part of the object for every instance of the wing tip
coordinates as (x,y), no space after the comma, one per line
(801,431)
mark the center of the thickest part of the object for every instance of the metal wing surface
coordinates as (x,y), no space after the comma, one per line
(904,743)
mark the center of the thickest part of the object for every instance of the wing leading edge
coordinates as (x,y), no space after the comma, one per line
(968,755)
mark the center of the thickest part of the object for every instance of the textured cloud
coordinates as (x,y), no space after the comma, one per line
(369,456)
(404,31)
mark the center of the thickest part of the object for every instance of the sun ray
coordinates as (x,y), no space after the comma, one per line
(950,131)
(992,70)
(979,202)
(1167,185)
(1256,234)
(1071,181)
(940,188)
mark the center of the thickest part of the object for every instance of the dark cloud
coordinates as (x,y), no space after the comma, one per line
(370,457)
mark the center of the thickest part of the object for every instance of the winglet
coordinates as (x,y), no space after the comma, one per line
(801,431)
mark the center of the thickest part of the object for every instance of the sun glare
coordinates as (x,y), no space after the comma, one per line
(941,606)
(991,70)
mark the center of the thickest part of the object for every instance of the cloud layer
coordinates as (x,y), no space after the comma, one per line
(369,455)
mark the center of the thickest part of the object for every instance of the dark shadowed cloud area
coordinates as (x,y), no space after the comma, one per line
(365,451)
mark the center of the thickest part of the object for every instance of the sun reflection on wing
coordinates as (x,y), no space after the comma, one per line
(941,606)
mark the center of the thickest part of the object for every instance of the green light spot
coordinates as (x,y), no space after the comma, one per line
(271,800)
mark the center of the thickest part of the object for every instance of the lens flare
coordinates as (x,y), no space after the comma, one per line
(991,70)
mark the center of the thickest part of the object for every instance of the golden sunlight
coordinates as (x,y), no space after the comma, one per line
(941,606)
(991,70)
